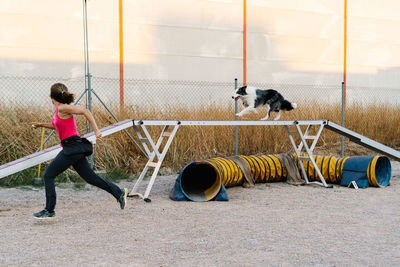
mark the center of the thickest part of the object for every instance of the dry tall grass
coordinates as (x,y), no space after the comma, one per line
(379,122)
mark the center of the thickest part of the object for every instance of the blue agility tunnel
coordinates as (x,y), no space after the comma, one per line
(367,171)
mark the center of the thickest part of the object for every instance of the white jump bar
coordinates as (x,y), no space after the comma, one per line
(226,123)
(353,136)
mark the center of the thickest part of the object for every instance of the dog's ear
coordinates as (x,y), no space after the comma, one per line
(242,90)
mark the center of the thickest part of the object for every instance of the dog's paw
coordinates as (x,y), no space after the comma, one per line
(238,114)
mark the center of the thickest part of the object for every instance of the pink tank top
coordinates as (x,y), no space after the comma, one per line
(64,127)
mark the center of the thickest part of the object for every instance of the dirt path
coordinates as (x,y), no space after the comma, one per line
(271,224)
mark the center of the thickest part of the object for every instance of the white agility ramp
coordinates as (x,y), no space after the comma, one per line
(51,152)
(363,141)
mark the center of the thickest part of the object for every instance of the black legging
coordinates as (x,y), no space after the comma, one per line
(81,165)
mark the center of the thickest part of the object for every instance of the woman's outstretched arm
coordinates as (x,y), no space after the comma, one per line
(78,110)
(42,124)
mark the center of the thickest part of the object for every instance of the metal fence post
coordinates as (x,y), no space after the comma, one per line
(88,76)
(342,144)
(236,118)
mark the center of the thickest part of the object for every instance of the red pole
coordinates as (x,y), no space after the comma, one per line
(121,59)
(244,44)
(345,50)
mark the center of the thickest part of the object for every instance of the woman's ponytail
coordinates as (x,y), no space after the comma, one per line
(59,92)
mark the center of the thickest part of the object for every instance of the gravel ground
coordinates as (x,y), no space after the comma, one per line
(270,224)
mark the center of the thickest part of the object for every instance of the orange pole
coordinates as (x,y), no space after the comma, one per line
(345,50)
(121,59)
(244,44)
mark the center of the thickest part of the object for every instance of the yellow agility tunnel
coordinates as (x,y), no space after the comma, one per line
(202,180)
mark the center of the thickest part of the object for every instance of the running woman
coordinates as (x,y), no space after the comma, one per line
(63,122)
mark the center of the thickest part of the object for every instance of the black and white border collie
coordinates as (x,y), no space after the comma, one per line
(254,98)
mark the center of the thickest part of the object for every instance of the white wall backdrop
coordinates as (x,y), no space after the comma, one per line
(288,41)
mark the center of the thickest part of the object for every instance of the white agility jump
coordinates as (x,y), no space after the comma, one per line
(156,153)
(156,156)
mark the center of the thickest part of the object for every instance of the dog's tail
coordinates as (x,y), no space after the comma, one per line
(286,105)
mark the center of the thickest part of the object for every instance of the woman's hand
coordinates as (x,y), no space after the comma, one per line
(35,125)
(98,135)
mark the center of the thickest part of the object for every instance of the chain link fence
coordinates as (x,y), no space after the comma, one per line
(31,91)
(170,97)
(167,99)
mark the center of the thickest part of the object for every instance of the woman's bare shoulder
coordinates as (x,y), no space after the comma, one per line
(70,109)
